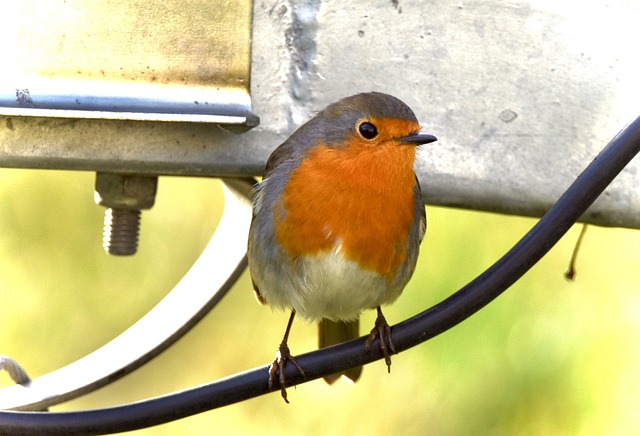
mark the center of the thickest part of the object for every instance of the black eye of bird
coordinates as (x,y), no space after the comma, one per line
(368,130)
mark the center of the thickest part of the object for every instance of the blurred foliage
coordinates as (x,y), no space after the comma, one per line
(547,357)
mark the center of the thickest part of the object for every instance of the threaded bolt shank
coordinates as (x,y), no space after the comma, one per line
(121,227)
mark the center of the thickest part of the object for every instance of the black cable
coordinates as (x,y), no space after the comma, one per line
(471,298)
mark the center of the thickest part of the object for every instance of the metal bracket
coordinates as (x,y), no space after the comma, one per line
(208,280)
(128,60)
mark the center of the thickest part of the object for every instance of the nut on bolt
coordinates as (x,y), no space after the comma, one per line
(124,196)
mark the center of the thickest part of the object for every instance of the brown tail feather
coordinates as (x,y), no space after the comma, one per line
(336,332)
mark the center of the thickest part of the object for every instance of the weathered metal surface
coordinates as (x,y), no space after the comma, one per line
(159,61)
(521,94)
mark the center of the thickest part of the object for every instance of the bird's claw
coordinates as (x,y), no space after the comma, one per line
(280,362)
(383,331)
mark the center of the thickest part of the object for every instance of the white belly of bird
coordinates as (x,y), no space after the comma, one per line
(326,286)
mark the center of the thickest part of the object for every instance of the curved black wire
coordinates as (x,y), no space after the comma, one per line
(478,293)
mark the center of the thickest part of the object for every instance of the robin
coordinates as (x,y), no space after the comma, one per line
(337,222)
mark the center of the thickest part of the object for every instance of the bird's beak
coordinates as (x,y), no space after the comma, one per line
(418,139)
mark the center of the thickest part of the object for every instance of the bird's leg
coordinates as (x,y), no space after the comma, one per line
(282,357)
(383,331)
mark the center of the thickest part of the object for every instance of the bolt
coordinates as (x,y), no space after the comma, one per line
(121,228)
(124,196)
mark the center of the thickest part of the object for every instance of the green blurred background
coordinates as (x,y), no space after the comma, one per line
(547,357)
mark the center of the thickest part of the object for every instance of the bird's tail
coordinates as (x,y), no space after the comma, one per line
(336,332)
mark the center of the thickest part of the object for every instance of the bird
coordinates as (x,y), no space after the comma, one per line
(337,222)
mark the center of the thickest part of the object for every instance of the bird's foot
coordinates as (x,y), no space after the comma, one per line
(383,331)
(280,362)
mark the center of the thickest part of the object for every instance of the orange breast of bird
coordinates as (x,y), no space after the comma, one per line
(357,199)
